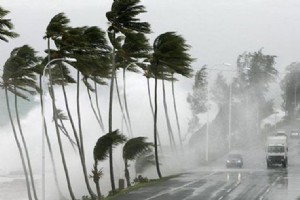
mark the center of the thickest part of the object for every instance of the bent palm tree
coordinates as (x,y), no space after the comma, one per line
(169,51)
(102,151)
(122,19)
(132,149)
(54,30)
(19,78)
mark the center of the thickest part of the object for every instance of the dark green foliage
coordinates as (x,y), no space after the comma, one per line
(6,26)
(103,144)
(140,179)
(19,74)
(56,27)
(134,147)
(170,54)
(122,17)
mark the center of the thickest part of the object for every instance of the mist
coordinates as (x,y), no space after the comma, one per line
(217,31)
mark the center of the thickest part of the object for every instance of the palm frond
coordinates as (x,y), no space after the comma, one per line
(104,143)
(6,26)
(135,147)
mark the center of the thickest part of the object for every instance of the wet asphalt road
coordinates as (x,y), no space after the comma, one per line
(254,181)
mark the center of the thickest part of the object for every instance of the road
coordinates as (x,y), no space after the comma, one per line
(215,182)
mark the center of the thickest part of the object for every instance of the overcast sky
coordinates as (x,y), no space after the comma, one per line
(217,30)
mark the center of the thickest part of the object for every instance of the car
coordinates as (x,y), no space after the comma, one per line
(234,160)
(294,134)
(281,133)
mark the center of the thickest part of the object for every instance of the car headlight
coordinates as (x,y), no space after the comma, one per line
(239,161)
(228,161)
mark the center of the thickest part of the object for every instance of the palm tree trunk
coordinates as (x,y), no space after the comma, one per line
(125,102)
(127,176)
(176,114)
(121,106)
(151,106)
(19,147)
(98,108)
(94,110)
(64,131)
(96,178)
(46,133)
(52,94)
(171,136)
(110,119)
(77,143)
(25,147)
(155,128)
(81,153)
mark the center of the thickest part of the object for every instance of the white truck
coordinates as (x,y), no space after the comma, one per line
(277,150)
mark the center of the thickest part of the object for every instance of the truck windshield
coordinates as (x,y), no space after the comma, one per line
(275,149)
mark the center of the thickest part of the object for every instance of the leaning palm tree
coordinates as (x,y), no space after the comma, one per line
(133,149)
(87,45)
(59,140)
(169,126)
(169,50)
(187,73)
(19,78)
(54,30)
(134,50)
(102,150)
(6,26)
(122,19)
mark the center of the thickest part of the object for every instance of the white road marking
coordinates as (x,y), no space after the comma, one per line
(269,188)
(177,188)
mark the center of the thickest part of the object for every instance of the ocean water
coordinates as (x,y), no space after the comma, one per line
(13,187)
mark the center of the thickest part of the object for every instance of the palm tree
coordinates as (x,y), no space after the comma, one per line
(184,69)
(122,19)
(88,46)
(169,51)
(6,26)
(102,150)
(55,119)
(148,74)
(169,126)
(53,31)
(134,50)
(19,78)
(133,149)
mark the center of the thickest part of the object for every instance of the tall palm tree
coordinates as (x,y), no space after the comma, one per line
(169,126)
(131,55)
(19,78)
(122,19)
(187,73)
(87,45)
(129,130)
(132,149)
(148,74)
(102,150)
(55,119)
(169,51)
(54,31)
(6,26)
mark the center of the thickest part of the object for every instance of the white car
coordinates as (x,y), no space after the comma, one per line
(294,134)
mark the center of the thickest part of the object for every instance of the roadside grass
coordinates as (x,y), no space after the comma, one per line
(137,186)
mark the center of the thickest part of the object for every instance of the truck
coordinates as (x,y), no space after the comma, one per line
(277,151)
